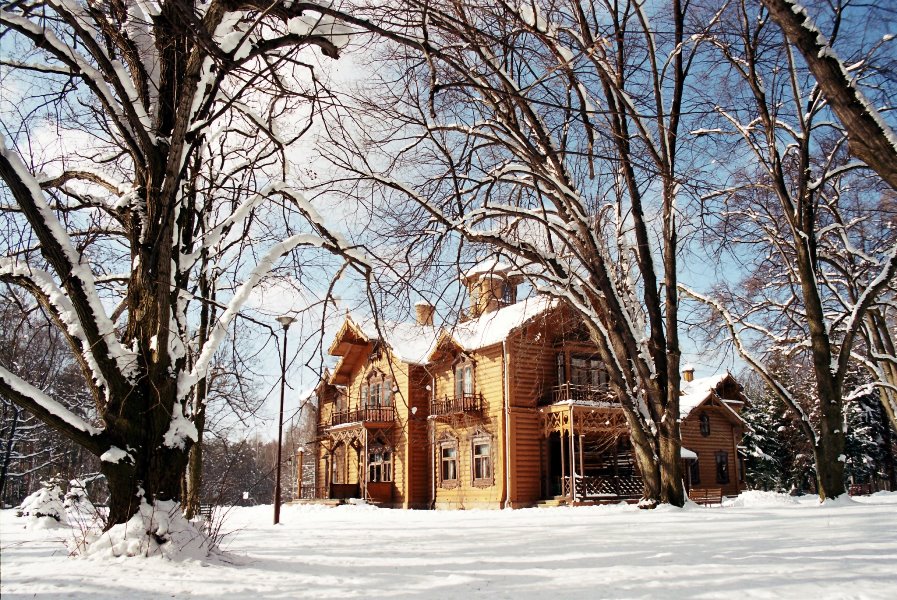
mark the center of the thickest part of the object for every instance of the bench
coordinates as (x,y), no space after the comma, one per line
(706,496)
(860,489)
(205,510)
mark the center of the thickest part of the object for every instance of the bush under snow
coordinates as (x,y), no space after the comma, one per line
(45,507)
(158,529)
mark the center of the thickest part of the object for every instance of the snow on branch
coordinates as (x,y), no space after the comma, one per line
(187,380)
(76,277)
(51,412)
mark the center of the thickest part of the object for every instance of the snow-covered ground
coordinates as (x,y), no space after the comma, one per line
(763,546)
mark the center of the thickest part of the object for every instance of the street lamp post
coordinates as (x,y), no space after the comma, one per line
(286,321)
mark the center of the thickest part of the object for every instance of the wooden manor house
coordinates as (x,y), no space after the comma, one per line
(510,408)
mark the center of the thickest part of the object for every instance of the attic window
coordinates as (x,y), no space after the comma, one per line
(705,424)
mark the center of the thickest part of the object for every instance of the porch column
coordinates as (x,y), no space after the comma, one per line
(364,465)
(582,470)
(572,457)
(562,434)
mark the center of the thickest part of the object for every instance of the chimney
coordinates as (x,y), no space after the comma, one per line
(688,373)
(424,312)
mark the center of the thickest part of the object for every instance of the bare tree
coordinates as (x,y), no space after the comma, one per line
(872,140)
(798,208)
(147,146)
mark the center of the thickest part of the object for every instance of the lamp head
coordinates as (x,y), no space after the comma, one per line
(286,320)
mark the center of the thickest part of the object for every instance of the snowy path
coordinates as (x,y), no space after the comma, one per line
(768,549)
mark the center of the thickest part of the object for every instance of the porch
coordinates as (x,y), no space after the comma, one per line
(355,457)
(586,453)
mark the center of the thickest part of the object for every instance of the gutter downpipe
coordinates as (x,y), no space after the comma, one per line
(506,499)
(431,433)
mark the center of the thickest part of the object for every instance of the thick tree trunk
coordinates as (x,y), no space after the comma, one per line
(672,488)
(887,449)
(830,452)
(156,476)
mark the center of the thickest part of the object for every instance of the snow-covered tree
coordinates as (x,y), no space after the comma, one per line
(795,206)
(145,150)
(31,451)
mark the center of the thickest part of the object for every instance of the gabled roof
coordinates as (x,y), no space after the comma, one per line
(698,391)
(417,344)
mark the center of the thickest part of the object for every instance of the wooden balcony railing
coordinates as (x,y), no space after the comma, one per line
(468,403)
(368,414)
(604,487)
(580,392)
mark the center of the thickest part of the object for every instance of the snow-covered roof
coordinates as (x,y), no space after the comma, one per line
(686,453)
(492,266)
(696,391)
(410,342)
(495,327)
(414,343)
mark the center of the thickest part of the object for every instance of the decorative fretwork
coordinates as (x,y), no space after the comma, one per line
(555,421)
(465,403)
(587,420)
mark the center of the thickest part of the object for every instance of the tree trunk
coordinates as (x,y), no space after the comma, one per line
(672,488)
(194,476)
(829,453)
(888,448)
(7,450)
(156,476)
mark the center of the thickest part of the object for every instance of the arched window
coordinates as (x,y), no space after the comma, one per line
(705,424)
(376,390)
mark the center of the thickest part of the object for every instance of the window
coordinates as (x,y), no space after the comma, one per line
(507,293)
(705,424)
(722,467)
(587,372)
(464,379)
(481,450)
(694,472)
(379,464)
(562,371)
(376,391)
(448,464)
(337,465)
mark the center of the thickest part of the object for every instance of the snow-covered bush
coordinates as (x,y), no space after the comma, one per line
(158,529)
(47,503)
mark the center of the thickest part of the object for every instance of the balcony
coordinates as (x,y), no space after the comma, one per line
(467,403)
(582,393)
(374,415)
